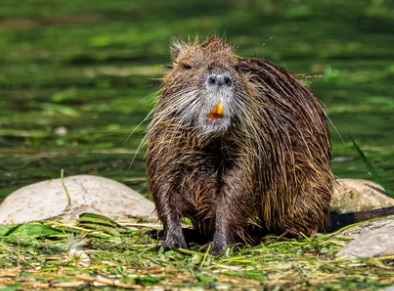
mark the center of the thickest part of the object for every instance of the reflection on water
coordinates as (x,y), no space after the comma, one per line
(77,78)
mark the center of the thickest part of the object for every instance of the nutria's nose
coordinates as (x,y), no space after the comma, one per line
(219,80)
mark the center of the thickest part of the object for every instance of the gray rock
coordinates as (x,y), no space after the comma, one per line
(367,226)
(353,195)
(376,242)
(87,193)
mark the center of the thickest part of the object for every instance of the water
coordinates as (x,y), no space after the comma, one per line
(76,77)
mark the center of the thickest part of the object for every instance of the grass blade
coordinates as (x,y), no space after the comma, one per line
(371,169)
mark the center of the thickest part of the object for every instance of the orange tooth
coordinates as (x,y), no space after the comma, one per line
(217,111)
(219,108)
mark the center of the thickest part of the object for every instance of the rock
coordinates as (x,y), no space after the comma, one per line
(376,242)
(354,195)
(95,194)
(372,238)
(365,227)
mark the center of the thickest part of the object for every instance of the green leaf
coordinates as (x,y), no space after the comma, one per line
(32,230)
(103,224)
(97,219)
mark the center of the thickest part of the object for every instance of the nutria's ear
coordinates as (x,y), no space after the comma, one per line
(176,47)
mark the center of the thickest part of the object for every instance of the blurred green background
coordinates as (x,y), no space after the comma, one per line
(76,77)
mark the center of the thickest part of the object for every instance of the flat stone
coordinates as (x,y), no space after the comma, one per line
(354,195)
(367,226)
(87,193)
(378,242)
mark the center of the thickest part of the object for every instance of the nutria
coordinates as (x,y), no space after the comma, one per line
(239,146)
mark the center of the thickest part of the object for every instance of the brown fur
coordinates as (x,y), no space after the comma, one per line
(263,168)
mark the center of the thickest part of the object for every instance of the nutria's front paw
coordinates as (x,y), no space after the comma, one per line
(218,246)
(174,242)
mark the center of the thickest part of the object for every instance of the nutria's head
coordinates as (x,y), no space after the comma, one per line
(203,88)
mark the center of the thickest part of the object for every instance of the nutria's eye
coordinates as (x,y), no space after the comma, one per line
(186,66)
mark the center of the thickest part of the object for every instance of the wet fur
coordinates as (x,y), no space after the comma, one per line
(264,169)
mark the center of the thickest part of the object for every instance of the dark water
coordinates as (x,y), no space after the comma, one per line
(76,77)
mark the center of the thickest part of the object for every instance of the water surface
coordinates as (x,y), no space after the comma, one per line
(77,77)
